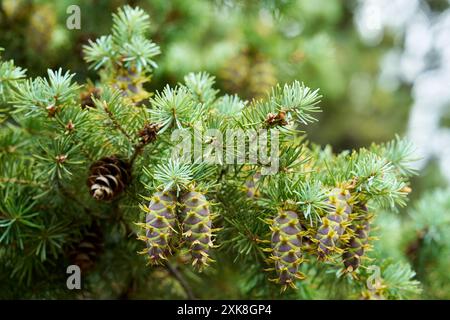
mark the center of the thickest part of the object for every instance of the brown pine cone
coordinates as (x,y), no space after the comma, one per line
(234,74)
(108,177)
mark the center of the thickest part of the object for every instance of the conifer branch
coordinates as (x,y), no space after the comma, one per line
(114,121)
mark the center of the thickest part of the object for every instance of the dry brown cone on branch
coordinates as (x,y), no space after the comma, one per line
(276,119)
(108,177)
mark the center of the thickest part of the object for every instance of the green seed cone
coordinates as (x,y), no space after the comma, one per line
(262,78)
(334,223)
(286,244)
(357,244)
(160,224)
(197,227)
